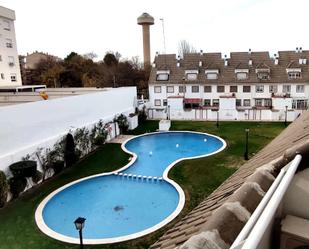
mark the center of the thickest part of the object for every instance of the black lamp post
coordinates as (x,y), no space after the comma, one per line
(217,123)
(286,115)
(79,224)
(168,112)
(246,157)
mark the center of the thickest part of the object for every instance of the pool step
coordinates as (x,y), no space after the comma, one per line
(133,176)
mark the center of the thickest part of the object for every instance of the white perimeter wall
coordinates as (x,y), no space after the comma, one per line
(25,127)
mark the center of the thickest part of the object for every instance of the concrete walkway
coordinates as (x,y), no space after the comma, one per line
(120,139)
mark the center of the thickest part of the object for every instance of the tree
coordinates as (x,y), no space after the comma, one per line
(111,58)
(70,56)
(184,47)
(52,76)
(90,56)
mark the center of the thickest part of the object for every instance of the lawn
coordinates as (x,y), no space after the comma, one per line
(198,177)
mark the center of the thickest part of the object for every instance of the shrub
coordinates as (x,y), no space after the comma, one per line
(122,123)
(37,176)
(70,156)
(23,168)
(17,185)
(3,189)
(142,116)
(58,166)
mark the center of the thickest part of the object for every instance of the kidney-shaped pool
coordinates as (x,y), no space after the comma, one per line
(131,202)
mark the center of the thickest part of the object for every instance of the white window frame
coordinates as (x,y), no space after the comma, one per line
(234,87)
(300,88)
(157,102)
(220,91)
(183,89)
(164,102)
(273,88)
(208,102)
(170,89)
(259,101)
(247,102)
(286,88)
(157,89)
(243,87)
(259,88)
(294,75)
(238,102)
(215,102)
(9,43)
(207,87)
(7,25)
(162,77)
(195,87)
(191,76)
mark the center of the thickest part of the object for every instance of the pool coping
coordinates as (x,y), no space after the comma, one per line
(51,233)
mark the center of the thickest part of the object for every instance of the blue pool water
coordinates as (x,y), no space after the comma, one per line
(116,206)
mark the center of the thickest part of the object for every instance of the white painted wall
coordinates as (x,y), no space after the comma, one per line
(25,127)
(7,15)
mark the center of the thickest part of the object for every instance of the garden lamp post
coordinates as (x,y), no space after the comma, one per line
(79,224)
(217,123)
(286,115)
(246,157)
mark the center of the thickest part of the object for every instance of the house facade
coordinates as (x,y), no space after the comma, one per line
(245,86)
(9,62)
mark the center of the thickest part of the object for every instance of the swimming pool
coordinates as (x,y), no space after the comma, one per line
(132,201)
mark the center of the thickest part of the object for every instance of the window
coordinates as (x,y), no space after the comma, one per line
(294,75)
(207,89)
(258,102)
(157,89)
(247,102)
(6,25)
(191,76)
(2,76)
(195,89)
(286,88)
(238,102)
(13,77)
(233,89)
(162,77)
(157,102)
(220,89)
(182,89)
(212,76)
(246,89)
(241,76)
(206,102)
(273,89)
(300,104)
(259,88)
(164,102)
(267,102)
(9,43)
(169,89)
(263,76)
(300,88)
(11,61)
(215,102)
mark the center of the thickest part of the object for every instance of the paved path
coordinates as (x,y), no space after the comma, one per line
(120,139)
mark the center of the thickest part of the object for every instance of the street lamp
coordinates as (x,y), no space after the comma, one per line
(246,157)
(286,114)
(168,112)
(79,224)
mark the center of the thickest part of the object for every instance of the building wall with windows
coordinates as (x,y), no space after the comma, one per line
(9,62)
(247,85)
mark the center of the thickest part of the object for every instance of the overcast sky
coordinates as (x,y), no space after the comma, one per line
(61,26)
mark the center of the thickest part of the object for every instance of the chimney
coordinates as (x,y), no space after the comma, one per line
(201,52)
(146,20)
(157,54)
(276,61)
(249,51)
(200,64)
(296,50)
(226,63)
(300,61)
(300,50)
(178,61)
(250,62)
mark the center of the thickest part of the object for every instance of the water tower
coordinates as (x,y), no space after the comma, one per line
(146,20)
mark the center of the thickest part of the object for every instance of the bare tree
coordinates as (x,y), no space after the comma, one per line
(90,56)
(184,47)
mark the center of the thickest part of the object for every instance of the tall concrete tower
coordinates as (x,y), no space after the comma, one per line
(146,20)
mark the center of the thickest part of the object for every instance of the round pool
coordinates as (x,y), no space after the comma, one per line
(130,202)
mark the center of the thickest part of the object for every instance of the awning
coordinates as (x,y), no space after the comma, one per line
(192,101)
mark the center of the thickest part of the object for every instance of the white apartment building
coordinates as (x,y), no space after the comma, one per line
(246,86)
(9,63)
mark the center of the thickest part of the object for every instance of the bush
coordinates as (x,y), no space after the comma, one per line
(3,189)
(70,156)
(142,116)
(17,185)
(122,123)
(23,169)
(58,166)
(37,176)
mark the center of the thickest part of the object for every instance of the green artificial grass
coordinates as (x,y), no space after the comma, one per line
(198,178)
